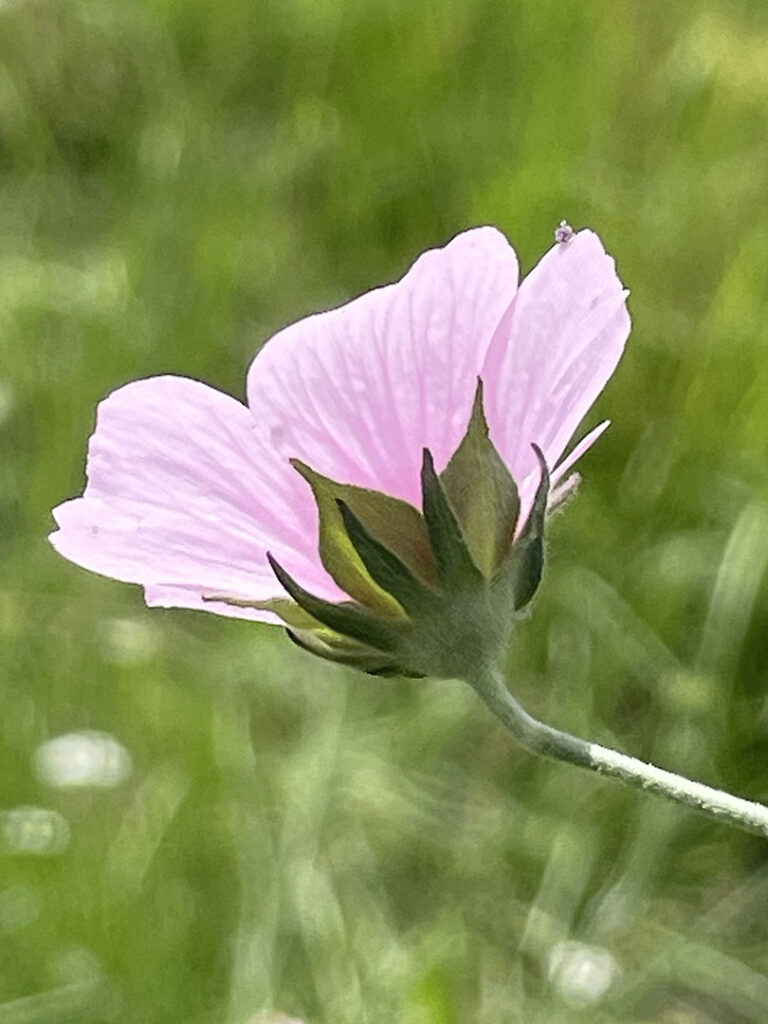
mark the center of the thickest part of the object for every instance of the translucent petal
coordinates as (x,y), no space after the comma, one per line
(578,450)
(358,391)
(553,353)
(185,496)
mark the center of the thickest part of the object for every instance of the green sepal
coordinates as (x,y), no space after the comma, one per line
(386,568)
(455,564)
(337,553)
(357,657)
(288,611)
(520,573)
(355,622)
(482,493)
(395,523)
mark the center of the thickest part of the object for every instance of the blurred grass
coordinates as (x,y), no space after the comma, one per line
(178,180)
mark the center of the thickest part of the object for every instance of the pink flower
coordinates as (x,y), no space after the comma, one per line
(188,489)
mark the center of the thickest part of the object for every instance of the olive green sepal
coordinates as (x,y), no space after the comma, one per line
(482,492)
(519,575)
(357,656)
(349,619)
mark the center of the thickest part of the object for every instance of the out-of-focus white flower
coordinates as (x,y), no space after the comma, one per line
(81,759)
(271,1017)
(32,831)
(582,974)
(128,641)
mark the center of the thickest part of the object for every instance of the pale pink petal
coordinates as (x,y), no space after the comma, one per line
(578,450)
(556,347)
(185,497)
(358,391)
(527,486)
(184,597)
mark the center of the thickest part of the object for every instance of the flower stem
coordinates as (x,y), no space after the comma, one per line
(561,746)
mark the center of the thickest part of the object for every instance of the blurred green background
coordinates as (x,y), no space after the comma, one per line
(260,831)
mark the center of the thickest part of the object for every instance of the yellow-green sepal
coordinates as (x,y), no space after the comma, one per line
(341,652)
(288,611)
(396,523)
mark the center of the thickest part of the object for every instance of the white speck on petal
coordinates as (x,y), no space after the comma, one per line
(563,232)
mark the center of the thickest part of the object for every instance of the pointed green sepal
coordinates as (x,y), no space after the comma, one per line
(351,621)
(522,569)
(358,657)
(455,565)
(386,568)
(288,611)
(394,672)
(337,553)
(482,492)
(534,526)
(395,523)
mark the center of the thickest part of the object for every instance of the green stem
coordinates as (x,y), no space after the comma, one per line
(561,746)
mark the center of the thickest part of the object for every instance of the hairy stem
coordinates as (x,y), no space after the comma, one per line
(561,746)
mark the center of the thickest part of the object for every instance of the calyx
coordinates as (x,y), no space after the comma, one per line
(432,592)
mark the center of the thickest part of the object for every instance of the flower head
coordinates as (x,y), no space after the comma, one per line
(357,418)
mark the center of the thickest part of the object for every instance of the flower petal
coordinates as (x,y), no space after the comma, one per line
(357,392)
(185,497)
(553,353)
(578,450)
(186,597)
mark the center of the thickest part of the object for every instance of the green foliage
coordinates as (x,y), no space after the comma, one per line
(177,181)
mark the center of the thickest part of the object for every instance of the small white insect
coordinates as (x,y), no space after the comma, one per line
(563,233)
